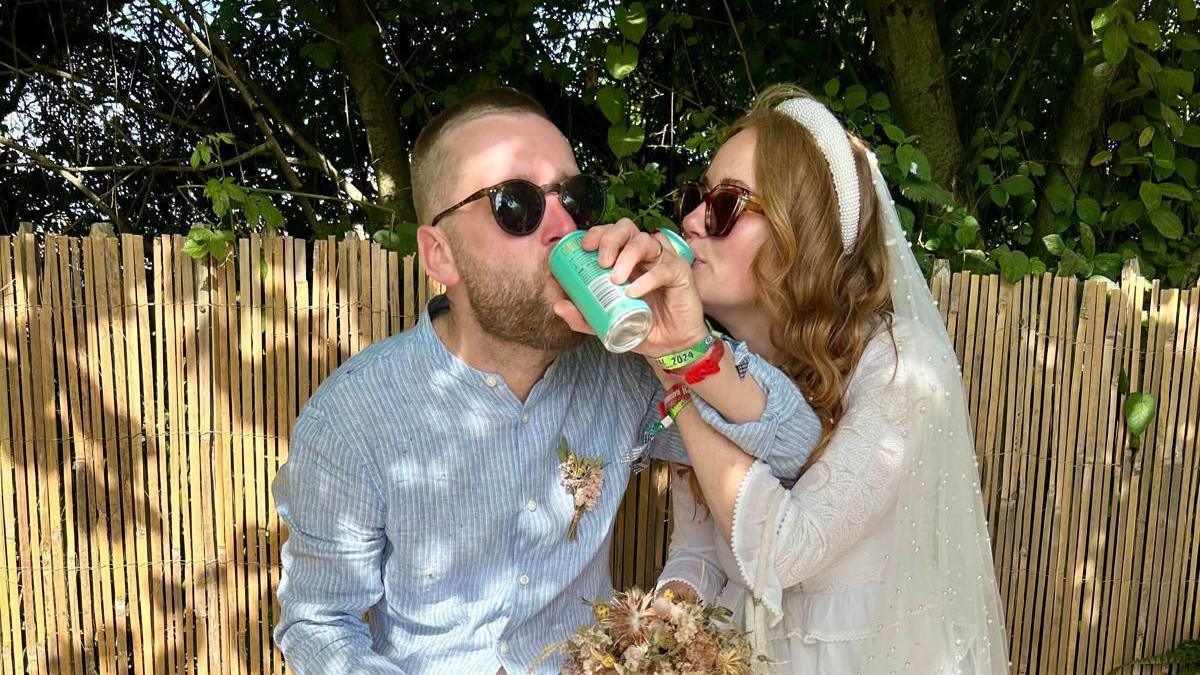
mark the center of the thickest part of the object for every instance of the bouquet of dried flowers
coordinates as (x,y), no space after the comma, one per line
(639,632)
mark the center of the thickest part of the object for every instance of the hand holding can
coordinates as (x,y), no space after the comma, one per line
(645,269)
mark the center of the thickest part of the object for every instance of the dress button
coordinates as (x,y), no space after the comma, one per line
(531,505)
(524,580)
(504,648)
(490,380)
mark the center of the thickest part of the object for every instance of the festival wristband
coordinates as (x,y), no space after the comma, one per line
(688,356)
(704,368)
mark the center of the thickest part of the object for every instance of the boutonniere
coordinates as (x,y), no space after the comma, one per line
(583,478)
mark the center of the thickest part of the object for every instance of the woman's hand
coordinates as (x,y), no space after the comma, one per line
(657,275)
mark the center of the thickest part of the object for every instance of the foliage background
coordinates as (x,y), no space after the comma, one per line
(1018,136)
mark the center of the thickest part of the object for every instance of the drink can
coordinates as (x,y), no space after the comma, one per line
(621,322)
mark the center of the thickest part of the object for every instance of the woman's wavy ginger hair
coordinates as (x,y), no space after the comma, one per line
(824,304)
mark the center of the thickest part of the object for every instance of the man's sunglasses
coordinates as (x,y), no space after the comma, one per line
(518,205)
(726,203)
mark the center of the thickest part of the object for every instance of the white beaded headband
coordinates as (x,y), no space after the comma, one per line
(834,144)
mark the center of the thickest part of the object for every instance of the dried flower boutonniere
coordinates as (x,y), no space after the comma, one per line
(583,478)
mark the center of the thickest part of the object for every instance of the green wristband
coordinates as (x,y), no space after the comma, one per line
(678,407)
(688,356)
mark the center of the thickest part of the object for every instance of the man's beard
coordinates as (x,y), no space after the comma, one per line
(514,309)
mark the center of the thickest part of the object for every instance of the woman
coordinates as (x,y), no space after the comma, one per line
(877,560)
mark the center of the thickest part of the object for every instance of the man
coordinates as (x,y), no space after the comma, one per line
(424,482)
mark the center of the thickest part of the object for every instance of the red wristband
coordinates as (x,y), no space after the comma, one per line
(704,368)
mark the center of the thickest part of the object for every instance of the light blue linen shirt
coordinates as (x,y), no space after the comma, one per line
(423,490)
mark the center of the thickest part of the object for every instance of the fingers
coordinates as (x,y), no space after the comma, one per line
(608,240)
(670,272)
(641,249)
(569,313)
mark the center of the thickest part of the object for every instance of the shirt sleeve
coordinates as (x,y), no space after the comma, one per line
(333,556)
(784,435)
(842,495)
(692,556)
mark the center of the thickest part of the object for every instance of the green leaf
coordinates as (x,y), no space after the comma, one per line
(1087,241)
(1139,411)
(1115,44)
(998,195)
(1037,267)
(195,159)
(1088,210)
(966,233)
(856,96)
(879,102)
(1103,17)
(214,189)
(1101,157)
(1146,33)
(1186,42)
(1061,198)
(1187,9)
(611,102)
(1151,195)
(1119,131)
(986,177)
(361,39)
(621,60)
(196,244)
(894,133)
(931,193)
(831,88)
(1054,244)
(1108,264)
(1018,186)
(1013,265)
(1145,137)
(1128,212)
(624,140)
(632,21)
(1175,191)
(1073,264)
(322,54)
(1166,222)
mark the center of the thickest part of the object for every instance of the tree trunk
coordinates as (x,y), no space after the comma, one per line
(911,52)
(1077,129)
(376,107)
(1076,135)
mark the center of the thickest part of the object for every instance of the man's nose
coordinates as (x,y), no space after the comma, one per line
(556,222)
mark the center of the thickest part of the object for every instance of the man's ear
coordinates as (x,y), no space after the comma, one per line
(434,248)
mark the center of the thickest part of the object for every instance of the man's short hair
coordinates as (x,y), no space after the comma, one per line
(430,170)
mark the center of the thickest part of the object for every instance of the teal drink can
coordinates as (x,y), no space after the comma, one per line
(621,322)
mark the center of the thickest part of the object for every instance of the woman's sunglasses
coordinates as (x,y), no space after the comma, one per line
(518,205)
(726,202)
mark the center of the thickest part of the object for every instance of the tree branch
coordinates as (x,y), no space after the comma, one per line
(49,164)
(163,167)
(224,68)
(238,74)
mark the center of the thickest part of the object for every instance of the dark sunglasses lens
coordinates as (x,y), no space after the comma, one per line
(690,196)
(723,206)
(518,206)
(583,197)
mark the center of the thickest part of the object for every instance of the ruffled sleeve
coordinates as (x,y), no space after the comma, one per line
(839,498)
(692,557)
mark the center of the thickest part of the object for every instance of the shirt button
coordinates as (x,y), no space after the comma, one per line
(504,648)
(525,418)
(490,380)
(531,505)
(524,580)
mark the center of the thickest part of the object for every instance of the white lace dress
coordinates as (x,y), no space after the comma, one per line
(825,569)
